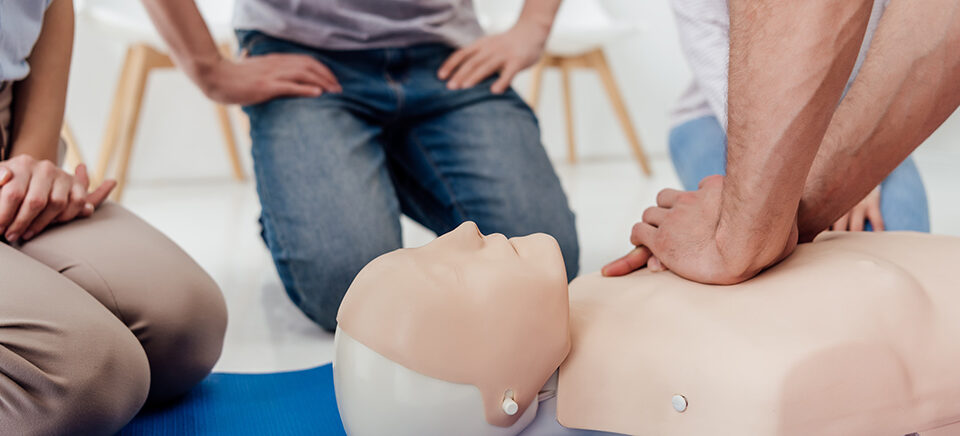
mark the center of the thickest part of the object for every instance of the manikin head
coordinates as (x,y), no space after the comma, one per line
(455,337)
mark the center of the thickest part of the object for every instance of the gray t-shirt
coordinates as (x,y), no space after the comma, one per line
(361,24)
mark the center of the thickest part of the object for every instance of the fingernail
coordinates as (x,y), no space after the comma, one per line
(28,236)
(452,86)
(12,237)
(603,271)
(88,207)
(3,172)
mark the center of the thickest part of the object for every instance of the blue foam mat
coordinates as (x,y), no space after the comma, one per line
(283,404)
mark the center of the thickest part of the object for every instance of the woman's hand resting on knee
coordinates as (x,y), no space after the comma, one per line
(37,193)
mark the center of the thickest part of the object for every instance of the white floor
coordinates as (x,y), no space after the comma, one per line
(216,222)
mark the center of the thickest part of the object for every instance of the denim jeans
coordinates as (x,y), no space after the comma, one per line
(335,172)
(698,149)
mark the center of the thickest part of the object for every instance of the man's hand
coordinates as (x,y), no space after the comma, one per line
(507,53)
(867,210)
(252,80)
(683,233)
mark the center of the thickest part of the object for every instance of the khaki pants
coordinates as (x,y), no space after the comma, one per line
(97,317)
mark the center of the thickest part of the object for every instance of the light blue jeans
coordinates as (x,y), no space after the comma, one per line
(698,149)
(335,172)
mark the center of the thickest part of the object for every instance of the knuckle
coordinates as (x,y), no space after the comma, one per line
(14,195)
(36,202)
(648,213)
(58,202)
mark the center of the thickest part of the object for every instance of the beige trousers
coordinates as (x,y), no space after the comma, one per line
(97,317)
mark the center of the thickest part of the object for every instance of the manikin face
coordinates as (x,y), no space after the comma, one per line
(485,312)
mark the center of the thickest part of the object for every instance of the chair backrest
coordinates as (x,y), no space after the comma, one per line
(499,15)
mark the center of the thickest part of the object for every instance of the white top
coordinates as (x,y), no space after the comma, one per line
(704,28)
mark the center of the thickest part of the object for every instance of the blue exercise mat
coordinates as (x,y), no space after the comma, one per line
(285,403)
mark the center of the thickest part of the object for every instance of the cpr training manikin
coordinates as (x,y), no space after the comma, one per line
(854,334)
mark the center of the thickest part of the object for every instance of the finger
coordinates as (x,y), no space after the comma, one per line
(668,197)
(644,234)
(97,197)
(38,194)
(857,217)
(876,218)
(326,73)
(655,265)
(841,224)
(11,195)
(303,77)
(465,69)
(59,199)
(81,177)
(453,62)
(292,89)
(505,79)
(482,71)
(78,200)
(307,71)
(630,262)
(5,175)
(654,216)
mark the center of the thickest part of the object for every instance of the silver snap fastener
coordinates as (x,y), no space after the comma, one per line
(679,403)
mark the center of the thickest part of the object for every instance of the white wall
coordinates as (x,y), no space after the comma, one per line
(179,138)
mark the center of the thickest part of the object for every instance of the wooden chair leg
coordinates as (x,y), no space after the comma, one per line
(144,60)
(230,141)
(599,63)
(565,69)
(536,82)
(73,156)
(121,99)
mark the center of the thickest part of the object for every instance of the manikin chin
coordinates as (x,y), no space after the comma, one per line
(855,334)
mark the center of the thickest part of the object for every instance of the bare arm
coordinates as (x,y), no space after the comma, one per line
(909,84)
(789,62)
(40,98)
(245,81)
(35,192)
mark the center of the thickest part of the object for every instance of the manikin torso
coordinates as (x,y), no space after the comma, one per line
(854,334)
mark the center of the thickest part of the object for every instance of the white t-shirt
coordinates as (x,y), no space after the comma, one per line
(704,28)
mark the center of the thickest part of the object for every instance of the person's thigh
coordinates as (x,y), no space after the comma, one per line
(168,301)
(328,205)
(481,160)
(698,148)
(903,199)
(67,365)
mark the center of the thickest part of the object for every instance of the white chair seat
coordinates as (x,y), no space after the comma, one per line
(581,26)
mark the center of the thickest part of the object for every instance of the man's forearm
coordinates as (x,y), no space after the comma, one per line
(909,84)
(39,99)
(182,27)
(539,13)
(789,63)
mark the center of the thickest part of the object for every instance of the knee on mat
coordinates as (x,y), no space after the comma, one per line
(183,336)
(105,386)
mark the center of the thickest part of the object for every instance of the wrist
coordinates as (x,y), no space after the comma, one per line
(535,27)
(204,71)
(747,249)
